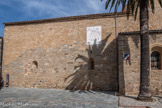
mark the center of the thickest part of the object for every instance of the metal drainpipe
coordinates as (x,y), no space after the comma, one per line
(116,40)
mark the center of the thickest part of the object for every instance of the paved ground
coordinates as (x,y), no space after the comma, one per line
(50,98)
(131,102)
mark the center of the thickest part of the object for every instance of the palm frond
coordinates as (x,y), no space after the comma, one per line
(160,2)
(131,6)
(151,3)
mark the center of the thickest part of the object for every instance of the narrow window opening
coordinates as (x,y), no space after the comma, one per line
(35,63)
(155,61)
(91,64)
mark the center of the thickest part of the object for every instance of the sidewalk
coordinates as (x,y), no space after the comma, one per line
(131,102)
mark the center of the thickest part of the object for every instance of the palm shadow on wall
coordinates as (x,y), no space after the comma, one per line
(98,70)
(103,76)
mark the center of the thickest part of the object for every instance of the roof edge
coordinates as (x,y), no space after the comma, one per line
(70,18)
(138,32)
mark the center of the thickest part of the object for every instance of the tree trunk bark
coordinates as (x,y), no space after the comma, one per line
(144,93)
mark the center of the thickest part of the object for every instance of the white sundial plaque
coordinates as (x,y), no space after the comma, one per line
(94,35)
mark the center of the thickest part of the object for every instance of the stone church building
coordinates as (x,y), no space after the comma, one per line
(54,53)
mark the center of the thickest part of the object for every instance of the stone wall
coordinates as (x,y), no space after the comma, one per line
(1,54)
(55,55)
(129,70)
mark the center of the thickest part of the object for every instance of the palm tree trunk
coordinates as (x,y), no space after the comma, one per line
(145,93)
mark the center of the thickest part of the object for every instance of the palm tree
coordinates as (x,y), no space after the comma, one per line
(133,6)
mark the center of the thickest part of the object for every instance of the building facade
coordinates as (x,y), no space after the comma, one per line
(53,53)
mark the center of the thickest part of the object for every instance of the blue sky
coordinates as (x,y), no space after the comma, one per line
(24,10)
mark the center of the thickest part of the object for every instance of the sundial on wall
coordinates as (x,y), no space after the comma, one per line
(94,35)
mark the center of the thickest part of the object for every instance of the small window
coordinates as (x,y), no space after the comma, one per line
(91,64)
(35,63)
(155,61)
